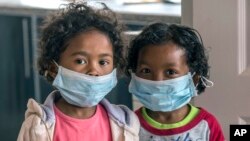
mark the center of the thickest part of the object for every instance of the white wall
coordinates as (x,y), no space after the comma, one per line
(224,27)
(10,1)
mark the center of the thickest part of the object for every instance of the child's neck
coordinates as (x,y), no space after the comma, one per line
(169,117)
(75,111)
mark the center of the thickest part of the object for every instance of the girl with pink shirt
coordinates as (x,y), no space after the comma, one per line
(80,51)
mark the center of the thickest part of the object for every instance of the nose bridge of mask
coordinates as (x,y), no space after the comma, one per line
(90,82)
(165,86)
(93,79)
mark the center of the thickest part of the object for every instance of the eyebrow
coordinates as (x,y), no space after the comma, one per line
(80,53)
(106,55)
(169,64)
(142,62)
(83,53)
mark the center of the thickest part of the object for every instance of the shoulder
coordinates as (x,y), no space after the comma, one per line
(33,127)
(209,117)
(122,114)
(130,116)
(33,108)
(216,132)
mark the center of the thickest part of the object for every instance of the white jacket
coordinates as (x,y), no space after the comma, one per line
(39,123)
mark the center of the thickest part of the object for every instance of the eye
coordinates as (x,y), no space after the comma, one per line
(103,62)
(145,71)
(81,61)
(171,72)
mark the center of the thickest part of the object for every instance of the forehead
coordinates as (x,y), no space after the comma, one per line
(92,41)
(168,53)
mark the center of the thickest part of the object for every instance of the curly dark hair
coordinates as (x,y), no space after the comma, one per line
(71,20)
(184,37)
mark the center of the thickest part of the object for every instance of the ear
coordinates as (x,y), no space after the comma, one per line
(53,69)
(196,78)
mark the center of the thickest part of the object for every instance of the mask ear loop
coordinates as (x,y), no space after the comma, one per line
(55,63)
(130,71)
(208,83)
(192,77)
(196,91)
(47,72)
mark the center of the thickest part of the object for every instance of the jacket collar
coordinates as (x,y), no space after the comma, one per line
(119,113)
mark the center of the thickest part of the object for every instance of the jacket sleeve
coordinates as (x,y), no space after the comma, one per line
(33,128)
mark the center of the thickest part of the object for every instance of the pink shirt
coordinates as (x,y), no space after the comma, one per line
(96,128)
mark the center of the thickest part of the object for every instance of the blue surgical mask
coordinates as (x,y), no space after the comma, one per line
(83,90)
(166,95)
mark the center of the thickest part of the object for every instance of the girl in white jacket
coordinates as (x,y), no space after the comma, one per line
(80,49)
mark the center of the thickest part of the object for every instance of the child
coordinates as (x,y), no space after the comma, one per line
(165,60)
(80,48)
